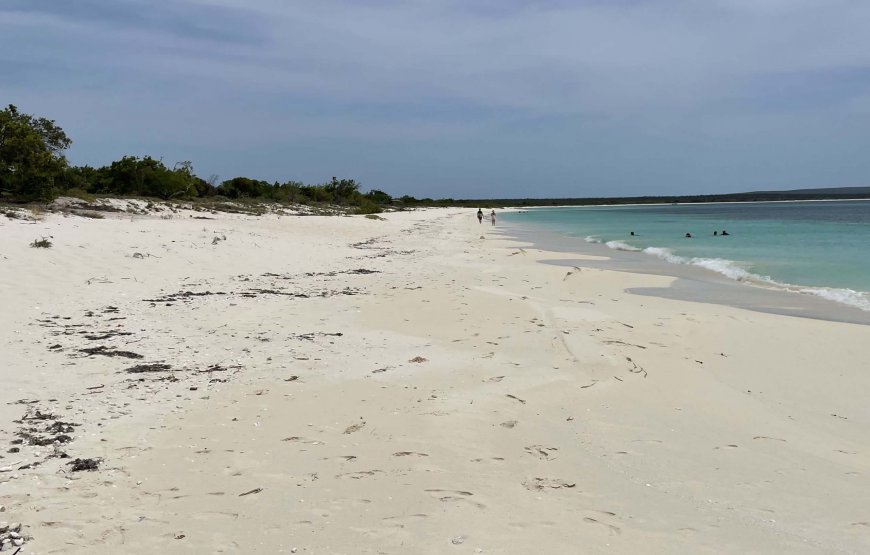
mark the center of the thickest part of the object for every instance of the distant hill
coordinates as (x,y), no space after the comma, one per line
(832,191)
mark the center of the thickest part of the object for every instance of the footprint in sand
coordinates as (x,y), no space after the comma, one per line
(541,452)
(479,460)
(614,530)
(359,475)
(404,520)
(540,484)
(409,453)
(297,439)
(509,424)
(345,458)
(447,495)
(209,514)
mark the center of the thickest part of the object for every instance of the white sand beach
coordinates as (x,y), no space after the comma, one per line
(417,384)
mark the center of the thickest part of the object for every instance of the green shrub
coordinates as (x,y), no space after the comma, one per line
(368,207)
(81,195)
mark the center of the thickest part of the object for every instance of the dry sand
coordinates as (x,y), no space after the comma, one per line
(414,385)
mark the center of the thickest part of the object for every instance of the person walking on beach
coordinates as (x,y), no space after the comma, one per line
(492,217)
(479,215)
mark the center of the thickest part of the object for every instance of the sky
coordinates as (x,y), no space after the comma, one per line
(458,98)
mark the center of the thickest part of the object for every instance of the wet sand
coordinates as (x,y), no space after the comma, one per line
(693,283)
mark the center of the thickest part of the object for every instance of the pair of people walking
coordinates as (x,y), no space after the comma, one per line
(480,216)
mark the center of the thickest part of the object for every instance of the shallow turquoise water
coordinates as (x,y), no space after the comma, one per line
(817,247)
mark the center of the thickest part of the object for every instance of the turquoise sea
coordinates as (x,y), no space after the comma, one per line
(818,248)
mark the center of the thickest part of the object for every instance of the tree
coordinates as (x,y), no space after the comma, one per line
(147,177)
(242,187)
(32,163)
(379,197)
(343,191)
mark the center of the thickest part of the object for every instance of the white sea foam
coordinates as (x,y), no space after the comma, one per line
(736,271)
(843,296)
(665,254)
(727,268)
(592,239)
(620,246)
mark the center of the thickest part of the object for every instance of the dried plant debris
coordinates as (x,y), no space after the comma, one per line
(367,244)
(219,368)
(36,415)
(355,427)
(42,441)
(143,368)
(40,429)
(635,369)
(185,296)
(102,350)
(105,335)
(310,336)
(60,427)
(79,465)
(41,244)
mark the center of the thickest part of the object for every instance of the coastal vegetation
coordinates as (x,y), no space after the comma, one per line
(33,167)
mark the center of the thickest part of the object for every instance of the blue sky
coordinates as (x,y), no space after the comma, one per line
(458,98)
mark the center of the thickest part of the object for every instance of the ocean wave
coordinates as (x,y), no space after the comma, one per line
(842,296)
(727,268)
(736,271)
(665,254)
(620,246)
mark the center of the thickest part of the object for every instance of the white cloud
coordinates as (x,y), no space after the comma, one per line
(260,69)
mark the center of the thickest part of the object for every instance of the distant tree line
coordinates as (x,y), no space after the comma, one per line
(33,167)
(767,196)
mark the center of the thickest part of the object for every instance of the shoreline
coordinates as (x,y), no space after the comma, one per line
(519,208)
(699,284)
(421,383)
